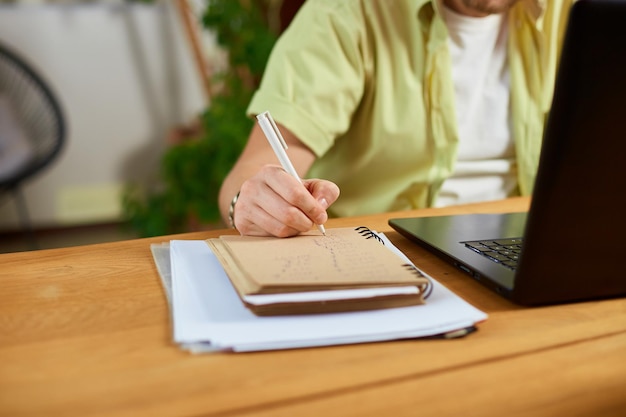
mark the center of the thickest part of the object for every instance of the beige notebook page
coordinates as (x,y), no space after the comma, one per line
(342,259)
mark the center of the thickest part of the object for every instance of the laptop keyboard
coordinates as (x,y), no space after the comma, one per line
(503,251)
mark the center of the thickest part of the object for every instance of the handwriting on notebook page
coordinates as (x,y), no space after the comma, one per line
(343,255)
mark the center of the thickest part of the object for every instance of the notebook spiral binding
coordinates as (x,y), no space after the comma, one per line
(429,288)
(369,234)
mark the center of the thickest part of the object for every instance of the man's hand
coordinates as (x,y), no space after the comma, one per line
(274,203)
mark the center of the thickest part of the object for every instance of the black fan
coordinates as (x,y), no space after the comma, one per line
(32,130)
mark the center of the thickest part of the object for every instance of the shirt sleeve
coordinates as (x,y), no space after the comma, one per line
(315,76)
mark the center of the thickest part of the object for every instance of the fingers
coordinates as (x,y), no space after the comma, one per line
(261,211)
(276,204)
(325,193)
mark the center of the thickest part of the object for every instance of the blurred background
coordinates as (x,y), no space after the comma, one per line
(152,97)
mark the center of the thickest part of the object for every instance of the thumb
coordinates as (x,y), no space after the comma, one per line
(325,192)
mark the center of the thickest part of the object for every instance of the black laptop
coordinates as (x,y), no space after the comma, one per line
(571,245)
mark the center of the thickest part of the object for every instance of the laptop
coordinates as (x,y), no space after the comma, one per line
(571,244)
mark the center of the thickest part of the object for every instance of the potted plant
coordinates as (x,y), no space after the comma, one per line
(192,170)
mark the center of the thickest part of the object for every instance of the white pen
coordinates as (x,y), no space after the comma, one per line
(279,146)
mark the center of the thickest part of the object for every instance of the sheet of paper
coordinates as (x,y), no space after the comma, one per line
(208,314)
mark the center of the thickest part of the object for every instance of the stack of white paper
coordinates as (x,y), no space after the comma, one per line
(208,315)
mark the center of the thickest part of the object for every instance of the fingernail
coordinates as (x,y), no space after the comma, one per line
(323,202)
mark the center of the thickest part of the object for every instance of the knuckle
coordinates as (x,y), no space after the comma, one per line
(248,186)
(284,231)
(268,171)
(291,194)
(298,197)
(290,215)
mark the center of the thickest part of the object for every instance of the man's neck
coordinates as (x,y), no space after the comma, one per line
(461,8)
(479,8)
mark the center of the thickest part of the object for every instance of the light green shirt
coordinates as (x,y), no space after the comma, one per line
(367,85)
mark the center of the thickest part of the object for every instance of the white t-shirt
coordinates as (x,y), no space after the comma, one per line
(486,168)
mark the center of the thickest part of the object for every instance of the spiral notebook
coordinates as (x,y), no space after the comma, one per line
(348,269)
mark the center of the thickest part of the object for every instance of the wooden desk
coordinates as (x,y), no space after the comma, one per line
(86,332)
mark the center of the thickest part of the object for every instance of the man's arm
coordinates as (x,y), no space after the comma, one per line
(272,202)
